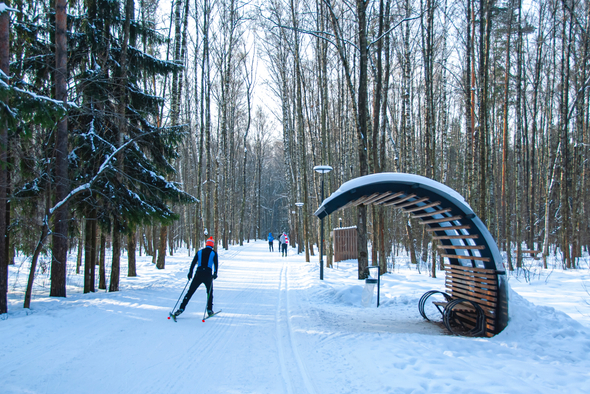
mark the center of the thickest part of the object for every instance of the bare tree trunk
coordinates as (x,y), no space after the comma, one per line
(89,252)
(4,67)
(161,263)
(60,236)
(80,248)
(564,141)
(301,135)
(116,260)
(102,281)
(362,128)
(505,226)
(38,249)
(131,246)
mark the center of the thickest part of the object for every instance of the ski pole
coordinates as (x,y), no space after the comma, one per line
(180,295)
(208,295)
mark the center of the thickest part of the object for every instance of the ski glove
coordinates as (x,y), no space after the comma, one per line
(190,275)
(215,276)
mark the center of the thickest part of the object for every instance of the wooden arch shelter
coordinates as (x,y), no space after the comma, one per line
(477,288)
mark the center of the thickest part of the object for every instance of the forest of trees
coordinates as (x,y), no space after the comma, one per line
(149,125)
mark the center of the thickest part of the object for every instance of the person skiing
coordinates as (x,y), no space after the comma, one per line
(270,242)
(284,241)
(207,264)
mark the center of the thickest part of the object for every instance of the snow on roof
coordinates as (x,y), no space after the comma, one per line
(397,177)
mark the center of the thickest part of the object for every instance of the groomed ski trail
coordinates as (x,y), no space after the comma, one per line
(293,370)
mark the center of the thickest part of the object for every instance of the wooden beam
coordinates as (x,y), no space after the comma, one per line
(413,202)
(460,257)
(400,200)
(378,197)
(431,205)
(479,247)
(388,198)
(427,214)
(432,229)
(443,220)
(468,236)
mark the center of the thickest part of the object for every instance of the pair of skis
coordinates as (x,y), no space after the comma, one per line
(205,315)
(173,316)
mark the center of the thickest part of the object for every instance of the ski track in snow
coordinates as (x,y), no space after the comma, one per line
(286,341)
(284,331)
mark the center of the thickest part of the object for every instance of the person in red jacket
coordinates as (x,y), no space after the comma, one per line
(284,240)
(207,265)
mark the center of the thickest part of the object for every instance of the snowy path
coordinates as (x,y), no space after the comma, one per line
(249,347)
(281,331)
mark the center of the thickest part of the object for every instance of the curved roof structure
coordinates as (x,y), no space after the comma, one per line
(444,211)
(463,237)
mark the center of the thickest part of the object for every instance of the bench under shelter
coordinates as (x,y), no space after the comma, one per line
(475,301)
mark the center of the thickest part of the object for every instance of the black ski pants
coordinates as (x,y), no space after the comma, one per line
(200,277)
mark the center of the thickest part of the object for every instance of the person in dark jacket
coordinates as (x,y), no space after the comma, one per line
(270,242)
(207,265)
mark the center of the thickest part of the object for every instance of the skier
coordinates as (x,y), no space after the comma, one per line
(207,265)
(270,242)
(284,241)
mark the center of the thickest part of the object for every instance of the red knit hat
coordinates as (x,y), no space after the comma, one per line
(210,242)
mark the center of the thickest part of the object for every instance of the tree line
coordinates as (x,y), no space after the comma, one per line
(140,124)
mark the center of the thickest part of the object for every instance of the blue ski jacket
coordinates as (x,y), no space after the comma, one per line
(270,237)
(205,260)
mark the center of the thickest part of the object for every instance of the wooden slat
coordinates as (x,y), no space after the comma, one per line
(471,320)
(389,198)
(489,284)
(365,198)
(459,257)
(406,198)
(469,236)
(475,269)
(489,295)
(457,294)
(431,229)
(378,197)
(431,205)
(469,291)
(489,312)
(449,219)
(468,247)
(428,214)
(487,279)
(418,201)
(489,318)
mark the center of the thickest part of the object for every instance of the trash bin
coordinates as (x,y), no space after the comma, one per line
(370,283)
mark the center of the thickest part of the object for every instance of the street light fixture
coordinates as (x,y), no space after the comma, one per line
(322,170)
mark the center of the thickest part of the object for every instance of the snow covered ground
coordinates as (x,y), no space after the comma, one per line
(284,331)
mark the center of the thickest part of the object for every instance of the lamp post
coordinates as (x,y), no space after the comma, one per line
(322,170)
(299,204)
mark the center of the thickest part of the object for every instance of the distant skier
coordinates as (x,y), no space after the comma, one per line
(284,241)
(270,242)
(207,267)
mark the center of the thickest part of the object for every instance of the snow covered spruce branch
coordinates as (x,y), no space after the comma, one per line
(46,231)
